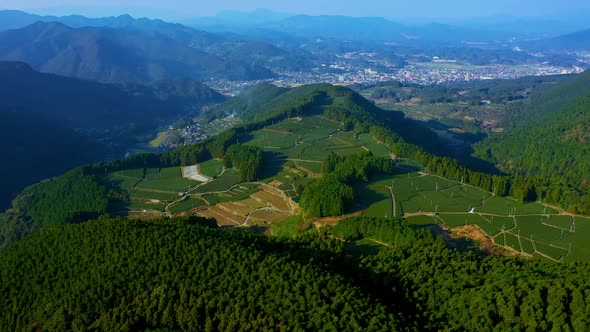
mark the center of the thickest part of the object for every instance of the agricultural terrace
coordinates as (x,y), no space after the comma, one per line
(310,139)
(530,230)
(294,150)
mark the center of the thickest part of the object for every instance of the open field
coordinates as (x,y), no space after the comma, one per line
(529,229)
(271,197)
(311,138)
(375,199)
(187,204)
(224,182)
(507,206)
(150,195)
(223,217)
(269,216)
(166,179)
(211,168)
(288,227)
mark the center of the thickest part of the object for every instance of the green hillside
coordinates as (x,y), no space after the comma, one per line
(122,54)
(51,123)
(550,136)
(339,260)
(181,275)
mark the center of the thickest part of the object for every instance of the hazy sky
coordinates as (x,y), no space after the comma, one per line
(427,9)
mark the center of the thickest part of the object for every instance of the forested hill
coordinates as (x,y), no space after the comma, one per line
(550,136)
(183,275)
(53,123)
(265,100)
(35,147)
(117,55)
(59,200)
(556,147)
(87,104)
(550,100)
(80,269)
(577,41)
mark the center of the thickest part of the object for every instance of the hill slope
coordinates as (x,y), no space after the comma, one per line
(577,41)
(549,135)
(86,104)
(116,55)
(52,123)
(182,275)
(235,51)
(35,147)
(186,268)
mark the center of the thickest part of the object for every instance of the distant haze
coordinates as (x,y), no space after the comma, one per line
(395,9)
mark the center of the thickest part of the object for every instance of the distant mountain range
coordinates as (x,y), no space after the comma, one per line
(485,30)
(124,49)
(577,41)
(52,123)
(374,29)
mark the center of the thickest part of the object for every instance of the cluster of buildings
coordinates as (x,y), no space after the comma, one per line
(436,72)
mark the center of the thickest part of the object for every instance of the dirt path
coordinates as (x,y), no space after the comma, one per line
(379,242)
(393,206)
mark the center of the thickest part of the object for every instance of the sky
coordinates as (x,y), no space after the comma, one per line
(409,9)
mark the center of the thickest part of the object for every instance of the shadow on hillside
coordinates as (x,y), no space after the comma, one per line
(365,197)
(462,244)
(273,164)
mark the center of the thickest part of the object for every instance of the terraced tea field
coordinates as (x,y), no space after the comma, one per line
(530,229)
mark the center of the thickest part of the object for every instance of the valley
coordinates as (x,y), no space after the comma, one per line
(296,172)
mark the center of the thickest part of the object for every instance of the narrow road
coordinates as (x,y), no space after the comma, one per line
(393,211)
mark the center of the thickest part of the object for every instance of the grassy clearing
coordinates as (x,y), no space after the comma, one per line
(454,220)
(531,227)
(508,206)
(236,194)
(289,227)
(526,228)
(137,173)
(123,183)
(166,179)
(374,199)
(371,143)
(187,204)
(563,222)
(224,182)
(148,195)
(310,138)
(142,205)
(211,168)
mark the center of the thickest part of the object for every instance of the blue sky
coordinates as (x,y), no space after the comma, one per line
(410,9)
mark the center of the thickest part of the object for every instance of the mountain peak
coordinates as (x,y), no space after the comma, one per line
(51,25)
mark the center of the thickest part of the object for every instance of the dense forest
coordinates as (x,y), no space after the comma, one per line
(333,193)
(246,159)
(556,148)
(117,274)
(549,135)
(71,198)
